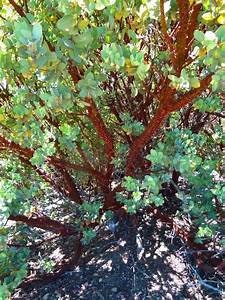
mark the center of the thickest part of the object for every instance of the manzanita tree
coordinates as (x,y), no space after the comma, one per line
(109,103)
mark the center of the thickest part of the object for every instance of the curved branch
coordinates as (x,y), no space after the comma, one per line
(54,161)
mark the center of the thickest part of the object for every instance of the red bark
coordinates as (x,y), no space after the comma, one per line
(97,121)
(70,188)
(10,145)
(182,34)
(193,21)
(51,160)
(73,71)
(102,131)
(45,223)
(144,138)
(167,105)
(17,8)
(166,36)
(190,96)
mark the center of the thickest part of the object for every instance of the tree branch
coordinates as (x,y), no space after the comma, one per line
(167,105)
(54,161)
(144,138)
(166,36)
(73,71)
(182,37)
(17,8)
(190,96)
(97,121)
(45,223)
(184,32)
(193,21)
(70,188)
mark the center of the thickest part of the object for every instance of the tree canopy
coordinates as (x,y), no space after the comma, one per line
(107,103)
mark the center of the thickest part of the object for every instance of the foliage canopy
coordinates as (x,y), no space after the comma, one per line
(108,103)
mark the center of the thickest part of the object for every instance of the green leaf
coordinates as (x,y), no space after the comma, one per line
(220,33)
(48,98)
(23,32)
(208,16)
(71,131)
(194,82)
(151,183)
(142,71)
(41,112)
(89,86)
(113,56)
(84,40)
(131,208)
(156,157)
(136,57)
(88,235)
(157,200)
(49,149)
(38,158)
(37,32)
(205,231)
(184,165)
(24,65)
(136,195)
(210,40)
(221,19)
(208,104)
(130,184)
(91,210)
(101,4)
(199,36)
(20,110)
(66,23)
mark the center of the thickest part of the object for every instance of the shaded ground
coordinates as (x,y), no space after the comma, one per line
(142,263)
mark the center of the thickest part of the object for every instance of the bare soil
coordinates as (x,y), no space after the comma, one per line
(137,262)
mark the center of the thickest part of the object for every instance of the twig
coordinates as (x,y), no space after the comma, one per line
(3,18)
(220,115)
(202,282)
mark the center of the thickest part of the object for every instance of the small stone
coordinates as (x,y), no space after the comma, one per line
(114,289)
(100,280)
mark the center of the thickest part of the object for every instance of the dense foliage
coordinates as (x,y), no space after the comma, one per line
(108,106)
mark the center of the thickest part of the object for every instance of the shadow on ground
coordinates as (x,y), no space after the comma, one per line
(138,262)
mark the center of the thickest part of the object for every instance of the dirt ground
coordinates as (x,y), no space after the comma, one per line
(134,263)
